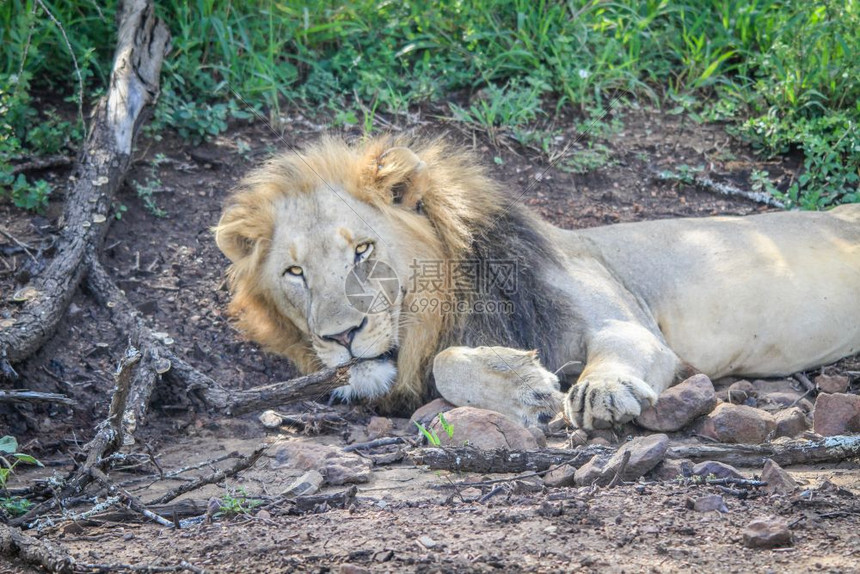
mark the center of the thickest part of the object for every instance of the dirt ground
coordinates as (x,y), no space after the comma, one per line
(405,518)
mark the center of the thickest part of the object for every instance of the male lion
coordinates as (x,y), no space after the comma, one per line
(628,307)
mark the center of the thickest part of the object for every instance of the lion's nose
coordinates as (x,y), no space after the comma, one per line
(345,337)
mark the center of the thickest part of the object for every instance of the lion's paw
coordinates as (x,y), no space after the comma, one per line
(537,407)
(604,401)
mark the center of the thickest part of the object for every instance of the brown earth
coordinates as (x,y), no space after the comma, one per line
(405,518)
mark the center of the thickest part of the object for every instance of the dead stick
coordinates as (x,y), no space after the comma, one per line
(217,476)
(142,41)
(34,397)
(797,451)
(470,459)
(375,443)
(14,543)
(129,499)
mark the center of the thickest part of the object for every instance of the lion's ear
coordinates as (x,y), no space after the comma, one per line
(401,174)
(240,230)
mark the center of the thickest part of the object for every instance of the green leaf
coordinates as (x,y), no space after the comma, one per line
(8,444)
(26,458)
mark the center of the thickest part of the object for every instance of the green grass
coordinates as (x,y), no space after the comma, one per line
(784,73)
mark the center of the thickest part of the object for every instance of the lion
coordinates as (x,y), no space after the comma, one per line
(488,305)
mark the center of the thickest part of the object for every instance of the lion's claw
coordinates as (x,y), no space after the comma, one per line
(605,401)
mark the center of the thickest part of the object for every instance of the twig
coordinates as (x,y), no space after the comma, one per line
(374,443)
(217,476)
(805,382)
(34,551)
(34,397)
(20,244)
(707,184)
(129,499)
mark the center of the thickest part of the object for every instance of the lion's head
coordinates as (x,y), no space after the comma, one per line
(303,226)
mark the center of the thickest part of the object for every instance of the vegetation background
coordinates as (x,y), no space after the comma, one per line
(783,74)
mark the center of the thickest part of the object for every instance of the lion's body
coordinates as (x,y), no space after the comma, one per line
(762,295)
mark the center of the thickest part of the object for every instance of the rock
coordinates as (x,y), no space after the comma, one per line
(679,405)
(599,441)
(767,533)
(487,430)
(577,438)
(589,472)
(831,383)
(557,424)
(708,503)
(837,413)
(424,415)
(791,422)
(782,400)
(379,427)
(270,419)
(308,483)
(427,542)
(561,476)
(763,386)
(645,453)
(353,569)
(336,466)
(539,435)
(740,391)
(778,480)
(672,469)
(716,469)
(738,424)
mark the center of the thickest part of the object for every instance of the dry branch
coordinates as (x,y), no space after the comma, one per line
(797,451)
(24,396)
(142,43)
(470,459)
(308,387)
(16,544)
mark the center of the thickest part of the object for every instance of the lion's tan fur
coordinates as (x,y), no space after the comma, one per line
(453,212)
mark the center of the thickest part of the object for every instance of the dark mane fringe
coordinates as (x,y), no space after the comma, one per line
(540,314)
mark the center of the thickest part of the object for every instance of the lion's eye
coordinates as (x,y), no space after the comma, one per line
(294,270)
(363,250)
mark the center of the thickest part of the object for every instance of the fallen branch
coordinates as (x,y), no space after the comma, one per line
(386,441)
(217,476)
(41,163)
(470,459)
(108,439)
(142,43)
(707,184)
(797,451)
(16,544)
(24,396)
(308,387)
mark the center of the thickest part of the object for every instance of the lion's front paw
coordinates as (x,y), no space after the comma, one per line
(603,401)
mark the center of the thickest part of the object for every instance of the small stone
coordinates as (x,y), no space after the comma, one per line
(716,469)
(782,400)
(379,427)
(426,542)
(550,530)
(308,483)
(836,414)
(426,414)
(561,476)
(791,422)
(599,441)
(539,435)
(471,494)
(767,533)
(589,472)
(679,405)
(763,386)
(483,429)
(263,514)
(831,383)
(577,438)
(336,466)
(708,503)
(557,424)
(740,391)
(645,453)
(738,424)
(672,469)
(353,569)
(778,480)
(270,419)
